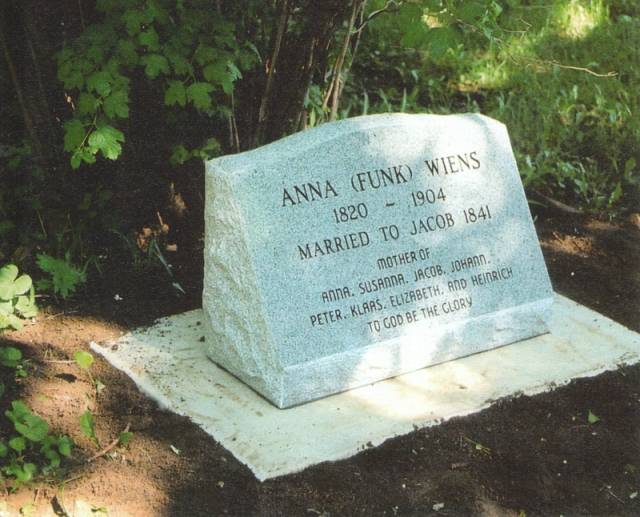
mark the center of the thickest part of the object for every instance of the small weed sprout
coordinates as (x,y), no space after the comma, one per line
(84,361)
(88,428)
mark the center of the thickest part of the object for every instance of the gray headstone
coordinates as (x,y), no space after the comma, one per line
(368,248)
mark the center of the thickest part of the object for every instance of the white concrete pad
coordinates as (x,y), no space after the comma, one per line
(168,363)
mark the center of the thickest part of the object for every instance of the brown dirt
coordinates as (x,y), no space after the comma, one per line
(541,457)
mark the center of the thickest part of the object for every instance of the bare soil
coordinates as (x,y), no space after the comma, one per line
(540,456)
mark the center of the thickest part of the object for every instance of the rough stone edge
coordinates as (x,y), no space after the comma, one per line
(238,335)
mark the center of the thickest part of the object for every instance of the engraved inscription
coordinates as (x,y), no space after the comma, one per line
(399,209)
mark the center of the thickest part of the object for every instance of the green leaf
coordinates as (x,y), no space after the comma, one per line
(6,308)
(10,356)
(177,56)
(64,445)
(235,72)
(20,411)
(15,322)
(205,54)
(210,150)
(87,104)
(75,80)
(21,285)
(216,72)
(106,138)
(23,473)
(88,428)
(124,438)
(441,39)
(29,470)
(26,305)
(180,155)
(117,104)
(51,454)
(4,321)
(9,286)
(4,450)
(198,93)
(99,386)
(133,19)
(176,93)
(471,12)
(592,418)
(629,166)
(84,359)
(415,35)
(33,428)
(7,275)
(65,275)
(18,443)
(74,134)
(433,6)
(76,160)
(100,82)
(155,63)
(150,39)
(127,51)
(410,12)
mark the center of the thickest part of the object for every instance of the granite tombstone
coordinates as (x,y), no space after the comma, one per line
(368,248)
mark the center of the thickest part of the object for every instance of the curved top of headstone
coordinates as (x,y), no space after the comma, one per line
(321,135)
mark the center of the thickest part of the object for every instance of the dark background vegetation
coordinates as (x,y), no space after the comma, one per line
(109,107)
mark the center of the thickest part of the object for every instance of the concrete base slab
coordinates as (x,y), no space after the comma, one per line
(168,363)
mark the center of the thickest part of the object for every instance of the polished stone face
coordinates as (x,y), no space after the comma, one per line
(368,248)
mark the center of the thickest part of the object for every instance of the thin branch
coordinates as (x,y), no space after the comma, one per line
(28,121)
(81,14)
(282,23)
(555,63)
(375,14)
(234,140)
(353,50)
(503,45)
(357,5)
(109,447)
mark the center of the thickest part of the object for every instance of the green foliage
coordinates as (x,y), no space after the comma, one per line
(84,359)
(187,51)
(211,149)
(20,191)
(14,303)
(12,358)
(124,438)
(88,428)
(34,449)
(65,277)
(576,135)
